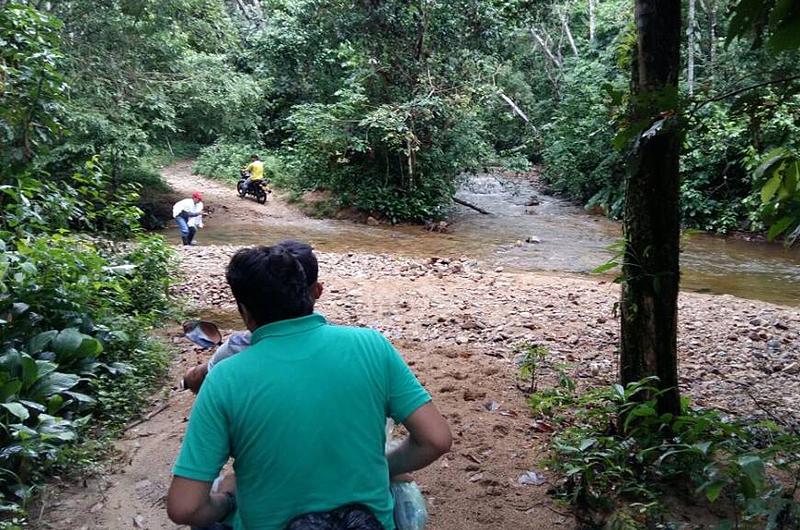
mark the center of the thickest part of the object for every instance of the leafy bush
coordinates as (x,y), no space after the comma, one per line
(216,100)
(621,460)
(73,319)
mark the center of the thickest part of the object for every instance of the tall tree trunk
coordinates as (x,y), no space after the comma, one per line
(648,344)
(568,33)
(712,47)
(592,20)
(690,48)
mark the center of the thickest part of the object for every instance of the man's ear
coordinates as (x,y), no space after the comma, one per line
(316,290)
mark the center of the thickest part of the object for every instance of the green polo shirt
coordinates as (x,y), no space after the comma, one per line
(302,412)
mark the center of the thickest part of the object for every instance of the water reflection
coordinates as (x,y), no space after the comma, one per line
(570,240)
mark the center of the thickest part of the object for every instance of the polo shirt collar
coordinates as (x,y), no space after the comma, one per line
(288,327)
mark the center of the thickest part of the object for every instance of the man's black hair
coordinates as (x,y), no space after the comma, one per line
(305,255)
(270,283)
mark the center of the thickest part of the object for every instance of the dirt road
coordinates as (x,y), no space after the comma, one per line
(456,325)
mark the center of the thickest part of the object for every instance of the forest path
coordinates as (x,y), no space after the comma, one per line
(221,200)
(475,486)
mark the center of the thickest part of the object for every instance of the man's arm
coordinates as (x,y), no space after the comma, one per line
(429,438)
(191,502)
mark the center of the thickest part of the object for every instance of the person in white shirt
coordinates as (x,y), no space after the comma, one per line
(188,215)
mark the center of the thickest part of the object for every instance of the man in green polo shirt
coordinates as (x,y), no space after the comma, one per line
(302,412)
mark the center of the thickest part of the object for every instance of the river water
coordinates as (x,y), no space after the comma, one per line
(569,240)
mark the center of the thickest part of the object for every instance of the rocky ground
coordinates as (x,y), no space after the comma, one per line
(457,324)
(736,355)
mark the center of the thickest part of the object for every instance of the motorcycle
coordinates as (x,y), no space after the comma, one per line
(258,189)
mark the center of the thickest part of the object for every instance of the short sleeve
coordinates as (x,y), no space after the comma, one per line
(206,445)
(405,393)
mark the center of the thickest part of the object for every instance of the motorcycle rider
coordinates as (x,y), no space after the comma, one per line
(186,212)
(255,172)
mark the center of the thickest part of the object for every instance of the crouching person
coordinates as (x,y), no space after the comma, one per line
(302,411)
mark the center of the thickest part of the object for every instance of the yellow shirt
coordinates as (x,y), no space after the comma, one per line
(256,170)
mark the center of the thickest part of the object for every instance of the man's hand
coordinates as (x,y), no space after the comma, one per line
(194,377)
(228,484)
(429,438)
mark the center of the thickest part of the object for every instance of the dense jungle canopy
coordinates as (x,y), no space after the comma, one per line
(386,103)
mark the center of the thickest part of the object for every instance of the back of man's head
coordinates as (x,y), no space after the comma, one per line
(270,283)
(305,255)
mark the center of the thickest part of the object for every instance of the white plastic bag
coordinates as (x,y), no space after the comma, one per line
(410,512)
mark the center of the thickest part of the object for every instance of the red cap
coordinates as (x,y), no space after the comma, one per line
(197,195)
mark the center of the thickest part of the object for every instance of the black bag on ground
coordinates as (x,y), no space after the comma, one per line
(350,517)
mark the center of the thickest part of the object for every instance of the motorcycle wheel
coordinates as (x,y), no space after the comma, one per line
(240,189)
(261,197)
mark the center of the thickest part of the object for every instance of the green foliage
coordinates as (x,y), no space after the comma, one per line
(578,160)
(621,460)
(384,104)
(779,171)
(31,86)
(223,160)
(745,104)
(75,305)
(72,321)
(215,100)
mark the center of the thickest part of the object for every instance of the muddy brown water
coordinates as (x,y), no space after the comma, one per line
(569,241)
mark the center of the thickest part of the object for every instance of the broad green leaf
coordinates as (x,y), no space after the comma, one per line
(67,343)
(40,342)
(10,390)
(713,489)
(45,367)
(90,347)
(779,227)
(17,409)
(753,469)
(54,404)
(33,405)
(586,444)
(771,187)
(703,447)
(77,396)
(29,370)
(772,158)
(792,178)
(605,267)
(51,384)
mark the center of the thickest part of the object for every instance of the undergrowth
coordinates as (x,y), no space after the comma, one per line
(625,466)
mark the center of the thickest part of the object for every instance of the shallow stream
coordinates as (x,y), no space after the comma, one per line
(569,240)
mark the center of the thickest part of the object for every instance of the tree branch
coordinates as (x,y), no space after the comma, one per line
(545,48)
(513,106)
(726,95)
(571,41)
